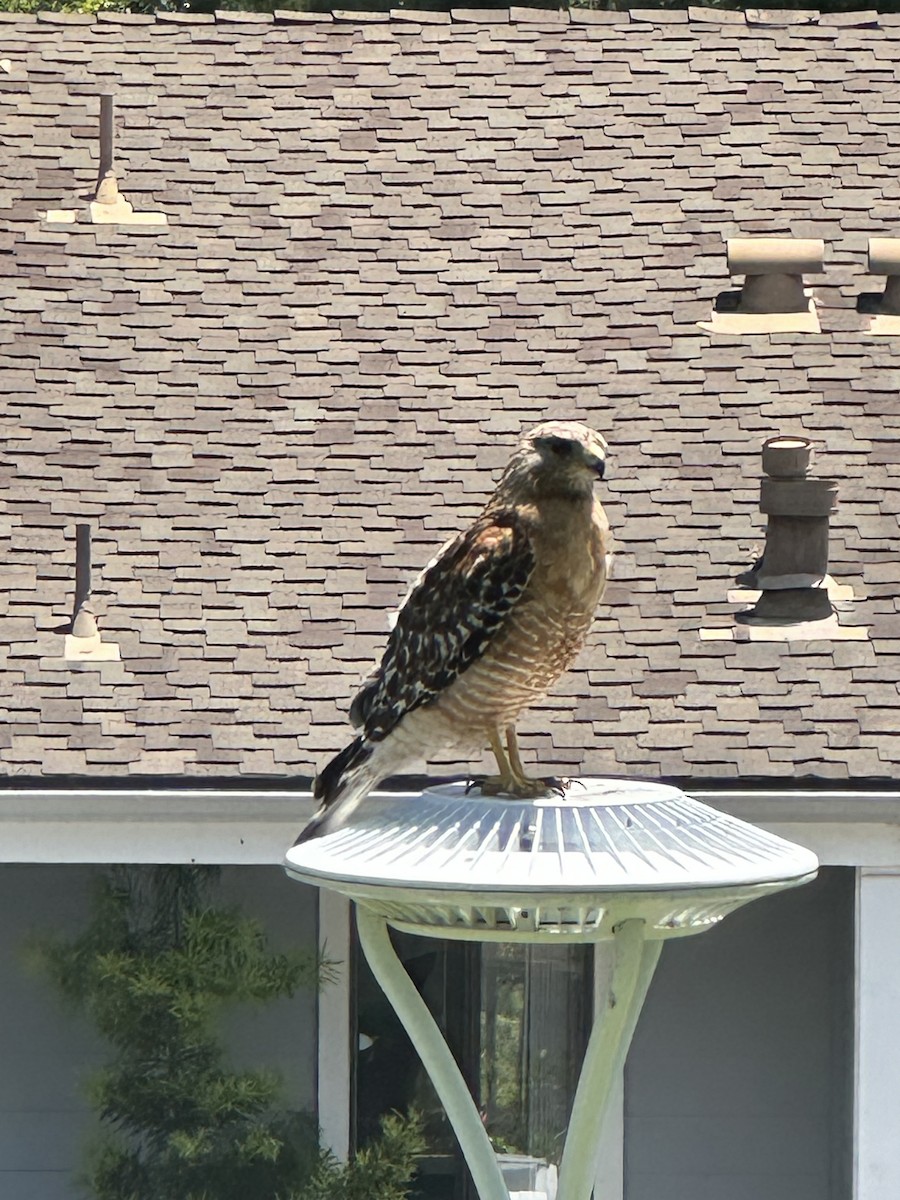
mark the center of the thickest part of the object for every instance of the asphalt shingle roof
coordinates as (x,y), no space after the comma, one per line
(393,243)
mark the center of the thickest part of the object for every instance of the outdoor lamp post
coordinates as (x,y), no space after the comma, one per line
(611,861)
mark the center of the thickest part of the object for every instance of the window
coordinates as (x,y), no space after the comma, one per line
(517,1019)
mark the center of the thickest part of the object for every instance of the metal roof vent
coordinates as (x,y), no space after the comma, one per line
(107,205)
(773,298)
(83,623)
(884,259)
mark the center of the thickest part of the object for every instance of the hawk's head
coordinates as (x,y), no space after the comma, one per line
(559,457)
(569,447)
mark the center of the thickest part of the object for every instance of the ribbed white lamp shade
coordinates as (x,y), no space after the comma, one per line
(455,864)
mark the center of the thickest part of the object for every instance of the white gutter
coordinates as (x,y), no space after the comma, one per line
(71,825)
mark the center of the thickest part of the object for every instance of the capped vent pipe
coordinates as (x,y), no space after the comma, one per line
(774,270)
(791,572)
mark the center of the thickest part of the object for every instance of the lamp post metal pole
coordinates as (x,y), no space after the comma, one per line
(635,962)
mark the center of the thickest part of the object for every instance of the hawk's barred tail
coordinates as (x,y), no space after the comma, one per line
(347,779)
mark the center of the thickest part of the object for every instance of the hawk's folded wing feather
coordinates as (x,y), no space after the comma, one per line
(448,620)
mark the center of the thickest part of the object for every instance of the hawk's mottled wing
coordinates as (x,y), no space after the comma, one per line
(448,620)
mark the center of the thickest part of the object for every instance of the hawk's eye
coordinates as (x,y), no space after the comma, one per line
(560,446)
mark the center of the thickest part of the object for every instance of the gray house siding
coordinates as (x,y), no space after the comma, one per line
(739,1080)
(48,1052)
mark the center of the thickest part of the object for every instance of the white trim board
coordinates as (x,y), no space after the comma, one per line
(150,826)
(877,1058)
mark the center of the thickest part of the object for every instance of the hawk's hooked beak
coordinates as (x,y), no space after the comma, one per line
(596,464)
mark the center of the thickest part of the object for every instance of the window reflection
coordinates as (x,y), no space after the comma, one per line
(534,1019)
(517,1019)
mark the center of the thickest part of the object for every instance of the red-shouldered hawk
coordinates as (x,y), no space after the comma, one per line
(487,628)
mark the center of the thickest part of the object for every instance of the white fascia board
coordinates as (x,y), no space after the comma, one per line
(206,825)
(148,825)
(805,805)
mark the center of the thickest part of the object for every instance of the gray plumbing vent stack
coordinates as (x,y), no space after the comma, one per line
(792,572)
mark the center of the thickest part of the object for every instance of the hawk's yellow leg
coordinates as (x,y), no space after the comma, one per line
(512,780)
(526,785)
(503,784)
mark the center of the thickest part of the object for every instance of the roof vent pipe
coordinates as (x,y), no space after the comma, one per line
(884,259)
(108,206)
(83,623)
(774,270)
(107,136)
(791,574)
(83,641)
(107,190)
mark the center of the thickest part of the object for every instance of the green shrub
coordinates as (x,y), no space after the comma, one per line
(154,971)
